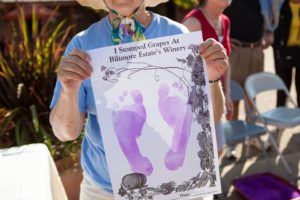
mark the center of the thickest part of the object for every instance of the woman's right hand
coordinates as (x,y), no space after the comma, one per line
(73,69)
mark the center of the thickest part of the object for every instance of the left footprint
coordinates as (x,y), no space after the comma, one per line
(128,122)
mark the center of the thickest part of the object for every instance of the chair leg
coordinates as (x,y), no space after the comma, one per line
(287,167)
(223,189)
(265,155)
(279,132)
(247,142)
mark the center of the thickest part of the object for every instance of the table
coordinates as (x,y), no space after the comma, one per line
(29,173)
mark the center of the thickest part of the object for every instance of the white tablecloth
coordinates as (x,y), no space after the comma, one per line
(29,173)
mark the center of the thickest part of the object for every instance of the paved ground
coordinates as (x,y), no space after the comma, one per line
(289,144)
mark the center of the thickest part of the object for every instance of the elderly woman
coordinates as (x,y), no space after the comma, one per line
(73,96)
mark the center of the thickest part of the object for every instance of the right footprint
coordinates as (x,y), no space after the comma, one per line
(178,115)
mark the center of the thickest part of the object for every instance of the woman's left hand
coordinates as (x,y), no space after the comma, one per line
(215,57)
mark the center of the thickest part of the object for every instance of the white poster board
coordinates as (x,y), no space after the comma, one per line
(154,110)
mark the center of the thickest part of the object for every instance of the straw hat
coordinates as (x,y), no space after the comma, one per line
(99,4)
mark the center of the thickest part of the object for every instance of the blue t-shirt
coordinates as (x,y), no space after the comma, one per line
(98,35)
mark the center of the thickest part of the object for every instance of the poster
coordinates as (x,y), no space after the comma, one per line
(154,109)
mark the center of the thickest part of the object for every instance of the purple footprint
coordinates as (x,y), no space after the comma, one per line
(178,115)
(128,122)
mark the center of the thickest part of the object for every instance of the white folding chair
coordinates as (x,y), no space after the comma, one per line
(240,130)
(280,117)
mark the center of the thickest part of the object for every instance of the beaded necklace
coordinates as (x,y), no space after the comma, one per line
(217,25)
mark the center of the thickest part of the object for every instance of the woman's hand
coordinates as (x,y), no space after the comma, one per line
(215,57)
(73,69)
(268,40)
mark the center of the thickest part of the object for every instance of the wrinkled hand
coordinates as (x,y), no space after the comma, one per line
(73,69)
(215,57)
(268,40)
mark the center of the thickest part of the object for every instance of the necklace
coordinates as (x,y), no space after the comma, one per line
(216,24)
(148,19)
(145,19)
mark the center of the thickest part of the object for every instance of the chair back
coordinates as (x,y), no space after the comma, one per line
(236,91)
(261,82)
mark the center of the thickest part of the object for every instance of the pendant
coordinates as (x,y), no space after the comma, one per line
(129,21)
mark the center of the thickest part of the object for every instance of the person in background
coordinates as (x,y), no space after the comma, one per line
(247,44)
(286,48)
(209,19)
(73,97)
(270,10)
(246,39)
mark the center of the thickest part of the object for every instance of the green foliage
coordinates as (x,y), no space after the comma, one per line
(6,125)
(27,79)
(186,4)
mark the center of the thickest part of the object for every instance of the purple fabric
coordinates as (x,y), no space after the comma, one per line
(265,187)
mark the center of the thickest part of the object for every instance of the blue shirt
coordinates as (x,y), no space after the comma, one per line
(98,35)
